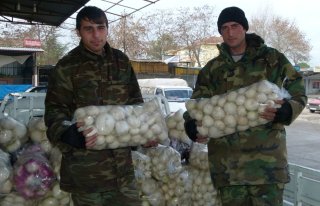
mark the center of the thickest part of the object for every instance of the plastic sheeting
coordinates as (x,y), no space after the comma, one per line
(10,88)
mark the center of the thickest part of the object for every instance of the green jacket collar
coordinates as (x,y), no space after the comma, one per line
(255,47)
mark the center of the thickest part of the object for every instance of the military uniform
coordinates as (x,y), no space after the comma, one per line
(257,156)
(80,79)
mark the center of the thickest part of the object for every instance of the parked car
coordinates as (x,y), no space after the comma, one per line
(24,105)
(314,104)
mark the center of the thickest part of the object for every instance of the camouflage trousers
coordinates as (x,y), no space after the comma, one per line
(252,195)
(125,196)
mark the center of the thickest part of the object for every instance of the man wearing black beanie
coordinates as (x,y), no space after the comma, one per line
(248,168)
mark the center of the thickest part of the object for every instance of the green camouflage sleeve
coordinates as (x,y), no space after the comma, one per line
(58,105)
(294,84)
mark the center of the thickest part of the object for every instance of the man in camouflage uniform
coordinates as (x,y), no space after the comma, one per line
(91,74)
(249,167)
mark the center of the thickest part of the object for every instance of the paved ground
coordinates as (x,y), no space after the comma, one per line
(303,140)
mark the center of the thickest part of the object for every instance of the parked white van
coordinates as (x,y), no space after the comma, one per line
(175,90)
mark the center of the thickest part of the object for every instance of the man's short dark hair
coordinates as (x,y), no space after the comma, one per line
(92,13)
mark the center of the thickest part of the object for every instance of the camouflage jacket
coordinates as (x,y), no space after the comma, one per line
(79,79)
(257,155)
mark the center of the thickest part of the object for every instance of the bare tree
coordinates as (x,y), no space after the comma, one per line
(193,26)
(282,34)
(128,35)
(160,28)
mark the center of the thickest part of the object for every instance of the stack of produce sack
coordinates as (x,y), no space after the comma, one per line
(236,110)
(149,187)
(169,183)
(125,125)
(203,193)
(13,134)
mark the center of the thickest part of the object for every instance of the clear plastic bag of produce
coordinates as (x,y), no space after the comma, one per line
(124,125)
(151,193)
(203,191)
(175,125)
(32,175)
(166,162)
(5,173)
(13,134)
(142,166)
(199,156)
(55,197)
(15,199)
(37,133)
(236,110)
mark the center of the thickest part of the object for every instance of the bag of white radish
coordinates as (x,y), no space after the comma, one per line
(199,156)
(203,191)
(175,124)
(151,193)
(55,197)
(165,162)
(142,166)
(14,199)
(13,134)
(123,125)
(236,110)
(32,176)
(37,132)
(5,173)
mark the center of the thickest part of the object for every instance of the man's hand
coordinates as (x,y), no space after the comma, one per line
(152,143)
(281,114)
(90,135)
(192,132)
(73,137)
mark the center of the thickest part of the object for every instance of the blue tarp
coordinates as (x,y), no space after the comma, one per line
(10,88)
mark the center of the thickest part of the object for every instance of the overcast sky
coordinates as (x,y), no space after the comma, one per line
(306,14)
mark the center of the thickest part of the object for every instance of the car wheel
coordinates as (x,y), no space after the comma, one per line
(312,111)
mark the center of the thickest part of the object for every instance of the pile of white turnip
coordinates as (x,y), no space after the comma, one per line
(236,110)
(121,126)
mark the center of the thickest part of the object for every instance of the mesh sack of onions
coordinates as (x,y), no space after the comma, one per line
(236,110)
(126,125)
(32,173)
(13,134)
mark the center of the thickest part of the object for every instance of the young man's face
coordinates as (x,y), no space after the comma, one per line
(233,35)
(93,35)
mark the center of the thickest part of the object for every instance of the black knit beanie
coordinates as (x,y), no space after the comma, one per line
(232,14)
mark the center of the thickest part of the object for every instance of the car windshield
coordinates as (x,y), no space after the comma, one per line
(178,94)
